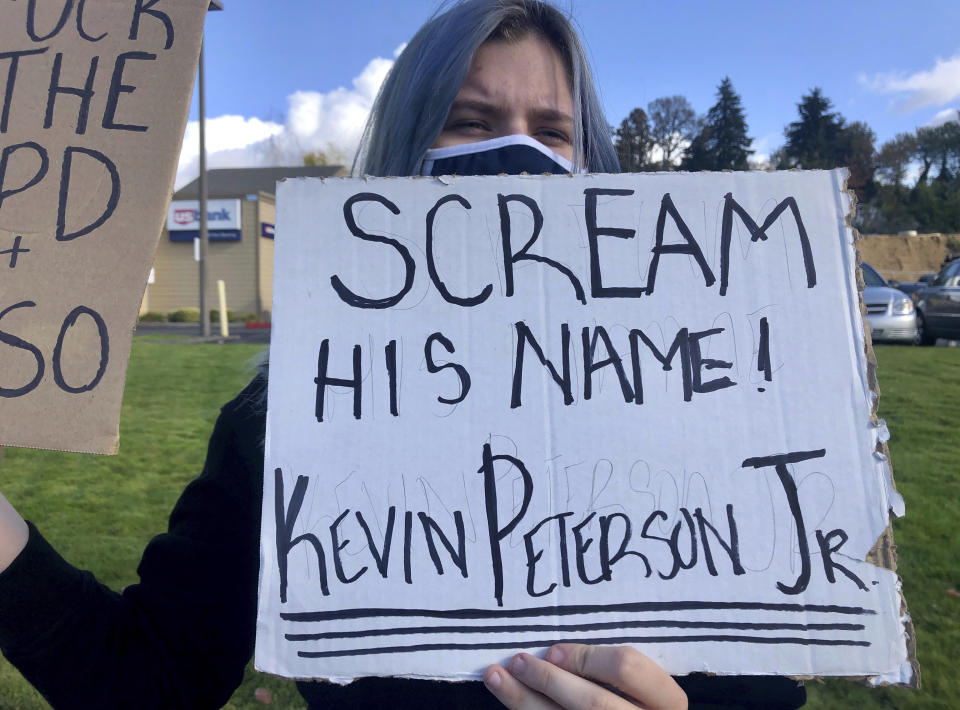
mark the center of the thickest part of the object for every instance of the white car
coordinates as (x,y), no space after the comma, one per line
(890,313)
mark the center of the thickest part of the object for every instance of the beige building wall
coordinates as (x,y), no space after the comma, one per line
(246,266)
(268,214)
(176,274)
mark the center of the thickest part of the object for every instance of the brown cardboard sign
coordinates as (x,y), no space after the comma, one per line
(94,96)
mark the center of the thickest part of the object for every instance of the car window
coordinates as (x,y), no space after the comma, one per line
(944,274)
(870,276)
(953,274)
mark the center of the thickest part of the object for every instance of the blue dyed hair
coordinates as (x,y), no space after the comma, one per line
(412,105)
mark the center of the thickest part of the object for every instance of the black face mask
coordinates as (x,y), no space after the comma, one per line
(509,155)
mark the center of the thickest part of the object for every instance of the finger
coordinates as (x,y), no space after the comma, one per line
(623,667)
(512,693)
(564,688)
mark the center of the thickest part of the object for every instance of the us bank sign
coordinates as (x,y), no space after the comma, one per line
(223,220)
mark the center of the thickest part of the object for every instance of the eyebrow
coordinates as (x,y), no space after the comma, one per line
(488,108)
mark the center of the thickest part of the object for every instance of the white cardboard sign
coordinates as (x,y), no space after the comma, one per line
(622,409)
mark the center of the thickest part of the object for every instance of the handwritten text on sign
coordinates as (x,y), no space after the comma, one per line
(626,409)
(93,101)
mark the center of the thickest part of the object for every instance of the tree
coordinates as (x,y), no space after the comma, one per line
(673,123)
(940,146)
(933,203)
(822,139)
(894,157)
(331,156)
(856,151)
(950,146)
(815,141)
(698,155)
(778,159)
(722,142)
(633,142)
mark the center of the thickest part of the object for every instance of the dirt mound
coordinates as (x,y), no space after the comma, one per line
(906,257)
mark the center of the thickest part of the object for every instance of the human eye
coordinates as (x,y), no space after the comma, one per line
(467,125)
(550,136)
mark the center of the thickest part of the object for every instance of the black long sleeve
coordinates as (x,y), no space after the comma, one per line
(181,637)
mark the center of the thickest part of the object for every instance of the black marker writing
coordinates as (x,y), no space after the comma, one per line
(145,7)
(510,257)
(104,340)
(759,233)
(117,87)
(85,93)
(14,251)
(17,342)
(432,367)
(690,248)
(14,58)
(348,296)
(431,261)
(68,322)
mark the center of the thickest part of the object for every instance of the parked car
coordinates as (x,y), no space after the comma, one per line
(938,306)
(911,287)
(907,287)
(890,313)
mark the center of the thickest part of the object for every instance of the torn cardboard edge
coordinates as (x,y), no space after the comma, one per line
(884,552)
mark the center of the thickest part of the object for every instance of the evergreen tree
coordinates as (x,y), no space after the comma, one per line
(822,139)
(722,142)
(815,141)
(633,142)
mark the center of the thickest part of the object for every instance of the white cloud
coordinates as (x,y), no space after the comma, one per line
(931,87)
(330,122)
(945,116)
(761,147)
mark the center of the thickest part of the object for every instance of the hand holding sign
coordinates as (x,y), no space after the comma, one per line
(84,184)
(566,674)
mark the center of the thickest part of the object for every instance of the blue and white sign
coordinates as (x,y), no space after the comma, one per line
(223,220)
(267,230)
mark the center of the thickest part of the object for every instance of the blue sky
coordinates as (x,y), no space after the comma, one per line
(304,71)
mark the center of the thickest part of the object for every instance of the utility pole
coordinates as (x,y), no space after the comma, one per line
(204,231)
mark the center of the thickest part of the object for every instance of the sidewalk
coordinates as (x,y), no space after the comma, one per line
(192,333)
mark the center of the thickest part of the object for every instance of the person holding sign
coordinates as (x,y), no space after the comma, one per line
(488,86)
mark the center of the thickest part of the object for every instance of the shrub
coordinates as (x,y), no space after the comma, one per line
(152,317)
(184,315)
(215,315)
(232,317)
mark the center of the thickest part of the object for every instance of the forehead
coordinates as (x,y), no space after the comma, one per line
(529,70)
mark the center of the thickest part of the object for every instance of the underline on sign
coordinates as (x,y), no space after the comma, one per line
(656,623)
(540,643)
(566,610)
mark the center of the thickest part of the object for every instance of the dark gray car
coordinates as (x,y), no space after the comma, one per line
(938,306)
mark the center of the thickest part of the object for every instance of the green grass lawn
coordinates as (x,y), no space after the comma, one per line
(101,511)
